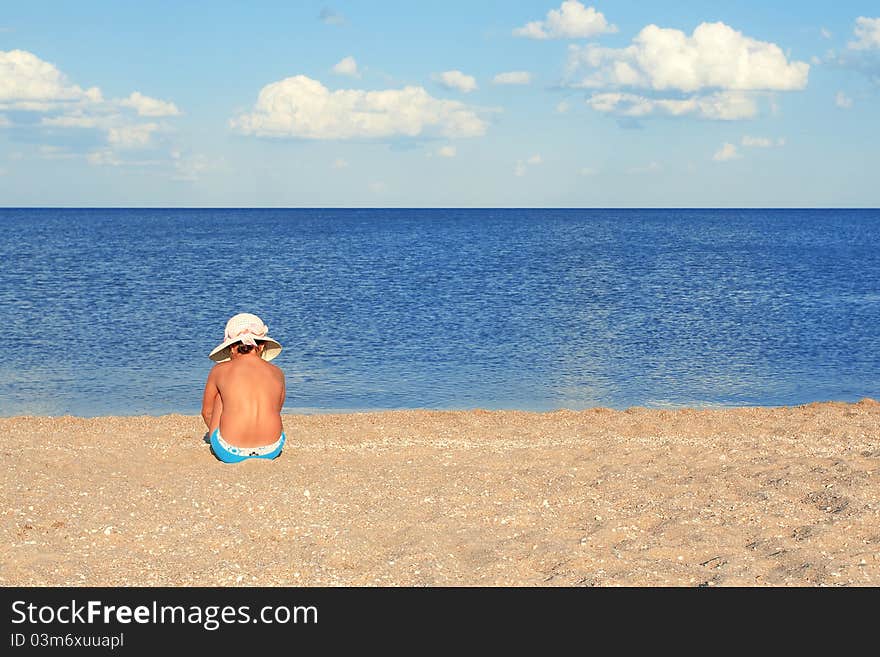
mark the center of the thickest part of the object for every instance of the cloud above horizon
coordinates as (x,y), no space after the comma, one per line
(862,53)
(31,85)
(513,77)
(571,21)
(726,153)
(347,66)
(300,107)
(132,136)
(713,73)
(456,80)
(724,106)
(714,56)
(867,33)
(843,101)
(146,106)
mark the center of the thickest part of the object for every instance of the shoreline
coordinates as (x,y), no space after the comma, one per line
(310,411)
(736,496)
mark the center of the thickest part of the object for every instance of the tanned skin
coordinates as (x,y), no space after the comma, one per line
(244,397)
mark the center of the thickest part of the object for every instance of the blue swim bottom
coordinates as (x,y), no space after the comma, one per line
(232,454)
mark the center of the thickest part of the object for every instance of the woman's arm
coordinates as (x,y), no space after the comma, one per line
(210,397)
(283,393)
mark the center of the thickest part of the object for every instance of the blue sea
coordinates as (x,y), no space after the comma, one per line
(114,311)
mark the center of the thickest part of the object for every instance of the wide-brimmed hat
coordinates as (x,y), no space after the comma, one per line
(247,329)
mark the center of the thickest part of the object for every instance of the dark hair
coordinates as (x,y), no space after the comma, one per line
(246,348)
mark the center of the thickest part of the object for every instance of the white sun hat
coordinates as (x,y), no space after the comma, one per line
(247,329)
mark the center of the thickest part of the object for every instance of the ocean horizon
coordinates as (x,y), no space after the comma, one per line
(112,311)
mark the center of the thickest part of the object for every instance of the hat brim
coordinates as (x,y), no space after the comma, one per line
(222,352)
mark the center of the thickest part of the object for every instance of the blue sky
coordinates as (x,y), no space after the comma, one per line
(486,104)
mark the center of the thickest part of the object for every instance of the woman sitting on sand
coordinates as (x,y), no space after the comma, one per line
(244,393)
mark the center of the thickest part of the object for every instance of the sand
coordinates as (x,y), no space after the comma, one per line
(734,497)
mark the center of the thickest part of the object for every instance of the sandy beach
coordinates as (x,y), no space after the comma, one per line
(735,497)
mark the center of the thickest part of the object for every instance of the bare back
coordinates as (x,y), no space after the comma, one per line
(251,394)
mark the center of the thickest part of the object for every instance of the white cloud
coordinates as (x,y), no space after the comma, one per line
(446,151)
(132,136)
(520,169)
(715,56)
(726,153)
(725,105)
(535,159)
(843,101)
(305,108)
(867,32)
(715,73)
(347,66)
(563,106)
(571,21)
(340,163)
(862,54)
(378,187)
(456,80)
(4,122)
(826,33)
(513,77)
(146,106)
(588,171)
(29,83)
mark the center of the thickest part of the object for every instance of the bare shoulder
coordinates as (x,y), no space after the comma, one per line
(277,371)
(219,369)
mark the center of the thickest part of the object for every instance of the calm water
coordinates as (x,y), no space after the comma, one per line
(115,311)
